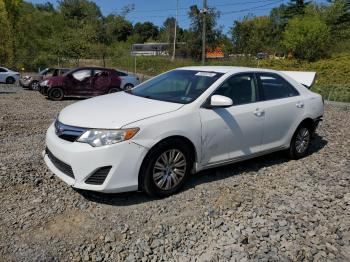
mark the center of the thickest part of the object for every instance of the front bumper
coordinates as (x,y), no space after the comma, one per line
(43,90)
(125,159)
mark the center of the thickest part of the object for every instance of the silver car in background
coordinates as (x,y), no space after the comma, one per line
(128,80)
(8,76)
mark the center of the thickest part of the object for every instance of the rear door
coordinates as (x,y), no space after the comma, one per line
(80,82)
(283,108)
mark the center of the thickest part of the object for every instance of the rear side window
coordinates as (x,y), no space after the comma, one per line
(121,73)
(275,87)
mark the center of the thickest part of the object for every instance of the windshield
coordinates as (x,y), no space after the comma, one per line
(177,86)
(43,72)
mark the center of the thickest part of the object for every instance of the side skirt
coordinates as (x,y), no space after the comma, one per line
(237,159)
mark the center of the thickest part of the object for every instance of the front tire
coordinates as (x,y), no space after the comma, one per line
(34,85)
(10,80)
(300,143)
(114,90)
(56,94)
(128,86)
(166,168)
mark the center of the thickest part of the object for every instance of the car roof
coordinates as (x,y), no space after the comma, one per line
(93,67)
(225,69)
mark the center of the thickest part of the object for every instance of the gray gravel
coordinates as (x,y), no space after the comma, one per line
(266,209)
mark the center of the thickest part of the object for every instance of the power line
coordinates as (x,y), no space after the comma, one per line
(188,8)
(258,7)
(248,9)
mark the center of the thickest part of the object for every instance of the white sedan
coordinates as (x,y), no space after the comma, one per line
(8,76)
(154,136)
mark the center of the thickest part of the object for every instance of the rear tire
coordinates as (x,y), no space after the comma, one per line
(166,168)
(56,94)
(10,80)
(300,143)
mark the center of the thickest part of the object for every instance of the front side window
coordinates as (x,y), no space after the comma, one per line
(178,86)
(81,75)
(240,88)
(2,70)
(275,87)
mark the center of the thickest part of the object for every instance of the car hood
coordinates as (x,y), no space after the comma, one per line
(113,111)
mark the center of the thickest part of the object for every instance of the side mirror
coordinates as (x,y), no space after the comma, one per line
(220,101)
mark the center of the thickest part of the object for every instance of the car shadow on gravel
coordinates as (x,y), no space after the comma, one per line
(206,176)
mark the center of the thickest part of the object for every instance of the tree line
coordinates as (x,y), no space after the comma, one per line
(37,35)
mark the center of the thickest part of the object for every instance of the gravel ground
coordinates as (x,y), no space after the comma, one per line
(266,209)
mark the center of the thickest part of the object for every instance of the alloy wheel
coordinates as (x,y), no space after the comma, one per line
(169,169)
(302,140)
(35,86)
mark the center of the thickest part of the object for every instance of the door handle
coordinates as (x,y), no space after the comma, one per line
(259,112)
(300,104)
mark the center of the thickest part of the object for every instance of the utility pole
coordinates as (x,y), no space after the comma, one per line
(204,13)
(175,29)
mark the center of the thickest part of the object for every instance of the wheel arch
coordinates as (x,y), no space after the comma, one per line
(10,77)
(178,137)
(309,122)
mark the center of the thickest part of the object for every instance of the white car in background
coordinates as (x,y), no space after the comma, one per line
(8,76)
(128,80)
(152,137)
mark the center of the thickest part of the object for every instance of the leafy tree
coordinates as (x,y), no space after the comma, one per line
(307,37)
(253,35)
(146,31)
(295,7)
(79,9)
(5,33)
(48,7)
(117,28)
(194,35)
(166,32)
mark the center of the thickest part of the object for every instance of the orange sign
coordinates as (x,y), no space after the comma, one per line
(215,53)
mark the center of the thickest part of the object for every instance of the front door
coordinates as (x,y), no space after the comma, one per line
(80,83)
(236,131)
(101,82)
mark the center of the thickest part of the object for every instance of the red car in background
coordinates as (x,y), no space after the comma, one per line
(81,82)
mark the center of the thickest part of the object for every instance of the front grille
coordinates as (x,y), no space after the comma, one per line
(68,133)
(99,176)
(63,167)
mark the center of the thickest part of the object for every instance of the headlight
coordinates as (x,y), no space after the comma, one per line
(44,83)
(107,137)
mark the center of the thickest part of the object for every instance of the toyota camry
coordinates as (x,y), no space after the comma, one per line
(154,136)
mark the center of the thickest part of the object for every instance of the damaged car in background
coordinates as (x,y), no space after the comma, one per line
(152,137)
(81,82)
